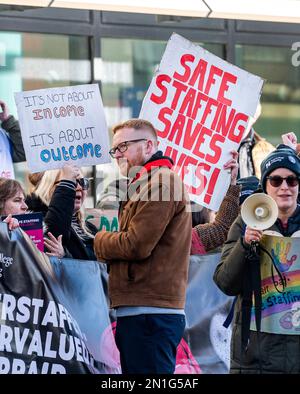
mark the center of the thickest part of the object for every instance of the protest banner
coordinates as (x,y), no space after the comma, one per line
(63,125)
(54,315)
(280,295)
(103,219)
(201,107)
(206,309)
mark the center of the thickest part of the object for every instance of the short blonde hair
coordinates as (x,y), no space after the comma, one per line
(136,124)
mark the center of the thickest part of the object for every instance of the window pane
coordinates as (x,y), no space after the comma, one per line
(127,69)
(35,61)
(281,93)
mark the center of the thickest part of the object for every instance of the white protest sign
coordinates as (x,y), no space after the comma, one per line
(200,106)
(60,125)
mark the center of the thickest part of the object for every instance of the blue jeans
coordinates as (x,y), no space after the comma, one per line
(147,343)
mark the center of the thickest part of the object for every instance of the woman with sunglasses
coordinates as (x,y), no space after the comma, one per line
(60,195)
(269,348)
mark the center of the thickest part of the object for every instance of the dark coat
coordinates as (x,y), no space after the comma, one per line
(278,353)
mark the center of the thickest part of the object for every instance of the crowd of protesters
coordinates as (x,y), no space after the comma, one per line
(142,259)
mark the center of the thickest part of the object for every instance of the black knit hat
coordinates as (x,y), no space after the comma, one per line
(282,157)
(249,185)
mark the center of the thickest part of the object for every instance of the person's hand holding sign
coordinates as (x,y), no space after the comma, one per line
(13,223)
(69,172)
(232,166)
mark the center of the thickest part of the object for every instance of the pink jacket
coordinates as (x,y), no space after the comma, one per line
(197,247)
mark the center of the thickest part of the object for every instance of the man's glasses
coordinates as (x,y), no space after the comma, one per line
(123,146)
(277,180)
(83,182)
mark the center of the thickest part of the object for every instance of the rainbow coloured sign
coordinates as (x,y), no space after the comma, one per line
(280,297)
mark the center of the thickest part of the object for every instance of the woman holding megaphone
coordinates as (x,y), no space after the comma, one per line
(265,338)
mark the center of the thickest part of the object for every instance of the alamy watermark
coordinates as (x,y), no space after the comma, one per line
(296,56)
(150,185)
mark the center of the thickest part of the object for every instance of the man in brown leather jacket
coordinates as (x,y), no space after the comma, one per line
(148,257)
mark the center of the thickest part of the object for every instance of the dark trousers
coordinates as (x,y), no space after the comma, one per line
(147,343)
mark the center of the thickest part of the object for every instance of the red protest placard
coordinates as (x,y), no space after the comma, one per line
(201,107)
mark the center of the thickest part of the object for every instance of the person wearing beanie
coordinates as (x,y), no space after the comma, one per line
(283,157)
(264,340)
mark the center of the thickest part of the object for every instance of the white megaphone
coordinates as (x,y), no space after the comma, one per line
(259,211)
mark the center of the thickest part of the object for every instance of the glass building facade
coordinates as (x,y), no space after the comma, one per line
(42,48)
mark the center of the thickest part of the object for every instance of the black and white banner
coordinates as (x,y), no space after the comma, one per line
(54,316)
